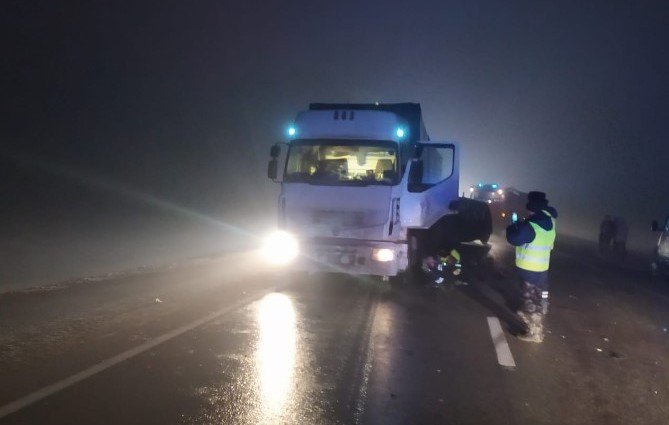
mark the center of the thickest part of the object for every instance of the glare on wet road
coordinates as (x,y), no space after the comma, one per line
(275,354)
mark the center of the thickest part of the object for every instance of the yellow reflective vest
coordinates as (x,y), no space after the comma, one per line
(536,255)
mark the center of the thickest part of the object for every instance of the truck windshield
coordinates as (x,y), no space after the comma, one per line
(337,162)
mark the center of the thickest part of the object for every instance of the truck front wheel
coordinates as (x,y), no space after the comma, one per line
(474,220)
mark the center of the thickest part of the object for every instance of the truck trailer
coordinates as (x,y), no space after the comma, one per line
(365,191)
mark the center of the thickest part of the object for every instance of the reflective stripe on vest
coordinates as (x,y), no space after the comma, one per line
(536,255)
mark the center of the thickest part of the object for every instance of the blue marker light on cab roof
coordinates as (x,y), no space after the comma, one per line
(494,185)
(292,131)
(480,184)
(400,132)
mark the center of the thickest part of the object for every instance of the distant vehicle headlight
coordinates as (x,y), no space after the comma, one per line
(383,255)
(280,247)
(500,191)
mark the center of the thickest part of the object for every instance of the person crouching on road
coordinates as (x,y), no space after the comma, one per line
(534,238)
(442,269)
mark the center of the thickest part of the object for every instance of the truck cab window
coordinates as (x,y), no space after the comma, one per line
(349,163)
(437,164)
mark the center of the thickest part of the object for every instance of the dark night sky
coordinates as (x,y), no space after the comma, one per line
(181,100)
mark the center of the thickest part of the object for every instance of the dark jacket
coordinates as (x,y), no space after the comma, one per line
(522,232)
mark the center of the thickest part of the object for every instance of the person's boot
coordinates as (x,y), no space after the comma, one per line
(535,332)
(525,319)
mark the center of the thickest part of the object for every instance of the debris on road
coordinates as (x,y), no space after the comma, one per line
(616,355)
(158,301)
(599,350)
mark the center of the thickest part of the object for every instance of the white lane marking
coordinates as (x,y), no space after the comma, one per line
(504,356)
(49,390)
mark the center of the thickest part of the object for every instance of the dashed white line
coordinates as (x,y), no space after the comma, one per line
(112,361)
(504,356)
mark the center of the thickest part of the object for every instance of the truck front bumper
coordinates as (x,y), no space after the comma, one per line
(351,256)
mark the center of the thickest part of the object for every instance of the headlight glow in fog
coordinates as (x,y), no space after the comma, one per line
(280,247)
(383,255)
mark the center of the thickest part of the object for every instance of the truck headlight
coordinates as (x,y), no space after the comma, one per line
(383,255)
(280,247)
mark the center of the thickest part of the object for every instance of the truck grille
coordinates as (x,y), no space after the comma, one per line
(339,218)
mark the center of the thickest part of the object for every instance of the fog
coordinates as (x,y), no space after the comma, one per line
(134,135)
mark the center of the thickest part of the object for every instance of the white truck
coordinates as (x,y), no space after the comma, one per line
(365,191)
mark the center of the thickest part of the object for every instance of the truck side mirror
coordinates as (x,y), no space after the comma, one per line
(272,168)
(654,226)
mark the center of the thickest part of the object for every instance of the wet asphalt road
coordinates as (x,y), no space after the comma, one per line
(226,341)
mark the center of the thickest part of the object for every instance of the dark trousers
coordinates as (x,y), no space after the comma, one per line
(534,300)
(620,249)
(604,243)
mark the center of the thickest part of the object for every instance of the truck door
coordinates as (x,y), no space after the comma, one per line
(430,184)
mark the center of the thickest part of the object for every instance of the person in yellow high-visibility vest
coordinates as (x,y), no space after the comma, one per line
(534,238)
(443,268)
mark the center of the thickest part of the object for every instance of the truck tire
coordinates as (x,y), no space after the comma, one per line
(474,220)
(486,226)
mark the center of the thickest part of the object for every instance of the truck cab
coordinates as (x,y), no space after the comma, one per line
(487,192)
(356,181)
